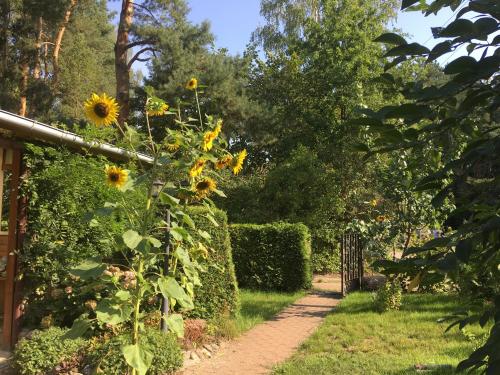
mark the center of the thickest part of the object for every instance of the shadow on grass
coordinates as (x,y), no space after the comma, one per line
(439,304)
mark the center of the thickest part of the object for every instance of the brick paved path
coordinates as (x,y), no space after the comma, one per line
(271,342)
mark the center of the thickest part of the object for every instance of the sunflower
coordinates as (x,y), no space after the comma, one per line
(218,128)
(115,176)
(223,162)
(157,108)
(173,145)
(380,218)
(237,162)
(192,84)
(373,203)
(101,110)
(197,168)
(208,140)
(204,187)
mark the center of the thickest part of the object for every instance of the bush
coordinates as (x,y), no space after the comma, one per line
(388,297)
(325,257)
(218,294)
(44,351)
(272,256)
(62,188)
(107,357)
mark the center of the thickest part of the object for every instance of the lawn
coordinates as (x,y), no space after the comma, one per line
(356,340)
(257,307)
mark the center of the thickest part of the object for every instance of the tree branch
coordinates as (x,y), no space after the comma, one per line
(148,11)
(137,56)
(140,43)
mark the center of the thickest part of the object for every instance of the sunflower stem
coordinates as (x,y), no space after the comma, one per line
(198,105)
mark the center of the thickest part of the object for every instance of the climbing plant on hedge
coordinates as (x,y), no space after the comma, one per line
(272,256)
(218,293)
(58,236)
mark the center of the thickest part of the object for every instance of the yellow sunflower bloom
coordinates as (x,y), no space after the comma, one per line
(373,203)
(223,162)
(380,218)
(157,108)
(204,187)
(192,84)
(237,163)
(115,176)
(197,168)
(208,140)
(218,128)
(173,147)
(101,110)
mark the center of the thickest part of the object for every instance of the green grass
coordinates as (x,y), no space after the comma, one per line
(356,340)
(257,307)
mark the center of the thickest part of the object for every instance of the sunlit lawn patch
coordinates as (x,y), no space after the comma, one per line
(257,307)
(356,340)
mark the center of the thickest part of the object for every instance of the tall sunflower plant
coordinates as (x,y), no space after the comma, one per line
(158,261)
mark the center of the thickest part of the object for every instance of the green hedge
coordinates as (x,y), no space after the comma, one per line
(272,256)
(218,294)
(62,188)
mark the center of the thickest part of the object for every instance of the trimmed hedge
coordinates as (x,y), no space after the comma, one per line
(272,256)
(218,294)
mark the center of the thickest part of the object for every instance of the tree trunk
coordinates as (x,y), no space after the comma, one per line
(23,87)
(4,38)
(122,70)
(59,38)
(37,69)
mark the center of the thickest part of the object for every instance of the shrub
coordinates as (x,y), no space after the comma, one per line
(325,257)
(388,297)
(62,188)
(218,294)
(44,350)
(272,256)
(107,357)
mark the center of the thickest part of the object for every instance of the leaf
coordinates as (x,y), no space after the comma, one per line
(439,50)
(190,222)
(80,326)
(459,27)
(175,323)
(131,238)
(408,3)
(154,241)
(180,234)
(391,38)
(137,357)
(412,49)
(168,199)
(170,288)
(123,295)
(461,65)
(89,269)
(108,311)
